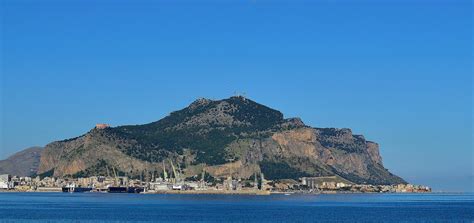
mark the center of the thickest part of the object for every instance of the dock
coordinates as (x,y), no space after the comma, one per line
(208,192)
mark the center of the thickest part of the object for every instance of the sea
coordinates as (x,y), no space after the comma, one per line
(104,207)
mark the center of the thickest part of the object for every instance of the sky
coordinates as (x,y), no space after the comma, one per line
(398,72)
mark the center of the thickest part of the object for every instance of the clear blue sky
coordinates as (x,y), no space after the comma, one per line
(398,72)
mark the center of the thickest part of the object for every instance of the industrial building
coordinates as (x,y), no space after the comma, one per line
(5,180)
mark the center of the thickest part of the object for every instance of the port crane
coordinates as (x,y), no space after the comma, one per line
(175,173)
(165,174)
(115,174)
(203,178)
(177,184)
(255,182)
(107,167)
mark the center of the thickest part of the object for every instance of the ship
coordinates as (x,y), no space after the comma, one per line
(132,190)
(72,188)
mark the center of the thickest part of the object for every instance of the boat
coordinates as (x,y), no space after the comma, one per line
(71,188)
(177,187)
(136,190)
(132,190)
(117,189)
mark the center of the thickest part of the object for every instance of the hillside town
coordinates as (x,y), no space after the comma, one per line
(257,186)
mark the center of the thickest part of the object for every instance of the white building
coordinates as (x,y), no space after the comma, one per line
(341,185)
(5,181)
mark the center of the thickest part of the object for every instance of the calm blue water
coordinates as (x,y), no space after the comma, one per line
(98,207)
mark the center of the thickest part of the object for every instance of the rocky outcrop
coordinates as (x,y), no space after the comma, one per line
(70,157)
(23,163)
(301,151)
(233,137)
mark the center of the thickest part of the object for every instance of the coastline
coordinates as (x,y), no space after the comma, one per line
(237,192)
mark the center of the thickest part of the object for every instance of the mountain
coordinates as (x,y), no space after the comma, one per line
(23,163)
(232,137)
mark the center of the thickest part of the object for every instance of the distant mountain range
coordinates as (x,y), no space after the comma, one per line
(232,137)
(23,163)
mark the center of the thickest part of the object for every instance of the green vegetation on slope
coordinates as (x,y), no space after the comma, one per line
(280,170)
(208,140)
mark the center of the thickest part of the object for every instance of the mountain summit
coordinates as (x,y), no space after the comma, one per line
(232,137)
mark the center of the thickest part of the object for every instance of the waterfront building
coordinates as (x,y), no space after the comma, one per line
(5,180)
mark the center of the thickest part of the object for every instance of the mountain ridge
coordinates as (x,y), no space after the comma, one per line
(231,137)
(22,163)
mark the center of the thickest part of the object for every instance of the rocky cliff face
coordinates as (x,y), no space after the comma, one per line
(232,137)
(23,163)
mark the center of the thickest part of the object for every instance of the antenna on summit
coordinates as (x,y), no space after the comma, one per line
(242,95)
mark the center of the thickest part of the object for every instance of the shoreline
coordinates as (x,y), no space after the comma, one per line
(211,192)
(242,192)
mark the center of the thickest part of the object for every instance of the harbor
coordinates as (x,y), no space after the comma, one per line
(230,186)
